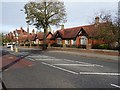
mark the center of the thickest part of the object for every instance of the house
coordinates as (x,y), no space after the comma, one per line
(18,33)
(71,36)
(39,38)
(27,39)
(78,36)
(10,37)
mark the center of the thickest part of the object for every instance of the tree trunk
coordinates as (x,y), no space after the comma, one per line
(44,39)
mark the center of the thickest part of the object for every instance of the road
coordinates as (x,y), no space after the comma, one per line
(55,69)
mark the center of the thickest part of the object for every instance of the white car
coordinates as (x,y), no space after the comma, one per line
(9,45)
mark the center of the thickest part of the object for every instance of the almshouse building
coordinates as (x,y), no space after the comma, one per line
(78,36)
(39,38)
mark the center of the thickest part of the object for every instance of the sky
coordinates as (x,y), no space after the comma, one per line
(79,13)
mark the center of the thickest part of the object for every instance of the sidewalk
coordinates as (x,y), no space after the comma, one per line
(93,55)
(103,54)
(98,51)
(10,61)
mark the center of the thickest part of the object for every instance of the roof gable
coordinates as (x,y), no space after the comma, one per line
(69,33)
(40,35)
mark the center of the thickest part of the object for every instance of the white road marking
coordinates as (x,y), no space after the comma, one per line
(96,73)
(41,56)
(30,59)
(74,65)
(83,62)
(115,85)
(44,59)
(60,68)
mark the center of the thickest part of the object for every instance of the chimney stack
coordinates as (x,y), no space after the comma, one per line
(97,20)
(21,29)
(33,31)
(62,27)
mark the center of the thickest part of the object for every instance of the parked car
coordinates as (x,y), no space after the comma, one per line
(9,45)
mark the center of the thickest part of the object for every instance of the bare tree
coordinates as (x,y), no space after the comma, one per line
(44,13)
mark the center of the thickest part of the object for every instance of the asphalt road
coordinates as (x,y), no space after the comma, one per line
(51,69)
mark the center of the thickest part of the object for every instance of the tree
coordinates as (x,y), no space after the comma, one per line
(117,29)
(108,28)
(44,13)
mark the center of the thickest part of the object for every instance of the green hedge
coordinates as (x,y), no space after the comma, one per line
(101,46)
(56,45)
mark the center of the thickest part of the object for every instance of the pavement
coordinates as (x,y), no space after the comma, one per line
(11,62)
(93,55)
(83,53)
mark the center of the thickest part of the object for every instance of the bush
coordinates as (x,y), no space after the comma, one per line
(82,46)
(101,46)
(34,44)
(56,45)
(27,44)
(73,46)
(21,44)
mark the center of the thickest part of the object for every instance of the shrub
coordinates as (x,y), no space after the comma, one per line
(21,44)
(56,45)
(34,44)
(27,44)
(101,46)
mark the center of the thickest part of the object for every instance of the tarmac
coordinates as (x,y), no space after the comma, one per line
(90,53)
(93,55)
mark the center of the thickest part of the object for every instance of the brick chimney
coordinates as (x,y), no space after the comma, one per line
(21,29)
(14,33)
(97,20)
(33,31)
(62,27)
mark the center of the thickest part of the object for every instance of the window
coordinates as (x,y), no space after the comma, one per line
(59,41)
(67,42)
(83,40)
(74,42)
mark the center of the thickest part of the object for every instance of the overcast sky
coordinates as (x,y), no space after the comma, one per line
(78,13)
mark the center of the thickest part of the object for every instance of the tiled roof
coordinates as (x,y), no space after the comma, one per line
(40,35)
(20,30)
(71,33)
(30,37)
(68,33)
(22,38)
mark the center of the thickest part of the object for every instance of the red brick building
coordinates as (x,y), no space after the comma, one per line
(78,36)
(39,38)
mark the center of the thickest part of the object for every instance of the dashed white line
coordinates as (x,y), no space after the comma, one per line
(115,85)
(30,59)
(96,73)
(44,59)
(83,62)
(60,68)
(41,56)
(84,65)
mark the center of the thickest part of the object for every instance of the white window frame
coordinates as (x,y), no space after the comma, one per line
(59,41)
(83,40)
